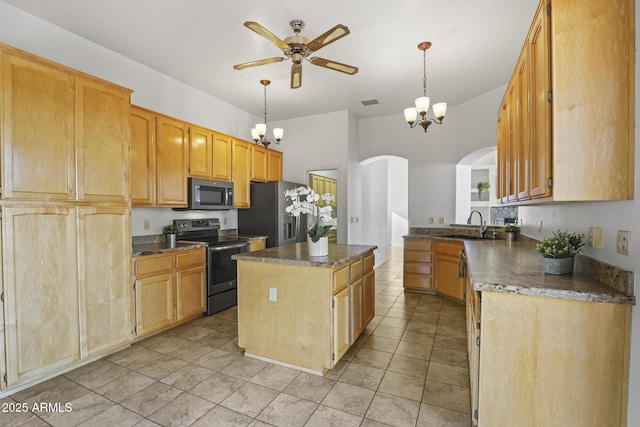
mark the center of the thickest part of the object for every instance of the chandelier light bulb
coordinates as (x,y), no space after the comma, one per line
(278,133)
(261,128)
(439,110)
(410,114)
(254,134)
(422,104)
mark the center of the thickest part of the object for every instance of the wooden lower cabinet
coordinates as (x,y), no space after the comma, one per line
(40,278)
(418,267)
(308,322)
(566,364)
(446,280)
(169,289)
(257,244)
(104,279)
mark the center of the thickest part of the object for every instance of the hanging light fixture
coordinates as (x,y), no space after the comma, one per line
(258,133)
(422,103)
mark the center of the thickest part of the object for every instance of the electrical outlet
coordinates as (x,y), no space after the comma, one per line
(273,294)
(622,242)
(596,242)
(146,224)
(539,226)
(224,221)
(442,220)
(432,220)
(590,237)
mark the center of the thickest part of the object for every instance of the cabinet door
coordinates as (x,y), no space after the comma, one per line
(368,297)
(172,162)
(102,130)
(540,87)
(274,166)
(512,143)
(200,152)
(446,280)
(191,292)
(356,299)
(154,303)
(41,291)
(104,236)
(258,163)
(143,157)
(340,319)
(523,152)
(38,106)
(222,157)
(3,366)
(241,157)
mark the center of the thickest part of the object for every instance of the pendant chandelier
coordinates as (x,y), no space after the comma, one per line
(422,103)
(260,130)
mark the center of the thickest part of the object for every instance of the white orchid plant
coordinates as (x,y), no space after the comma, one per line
(305,201)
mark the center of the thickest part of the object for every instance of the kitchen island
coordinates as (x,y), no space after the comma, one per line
(544,349)
(302,311)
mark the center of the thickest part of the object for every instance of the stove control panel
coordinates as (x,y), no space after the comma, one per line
(197,224)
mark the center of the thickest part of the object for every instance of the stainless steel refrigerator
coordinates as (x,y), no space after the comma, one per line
(267,215)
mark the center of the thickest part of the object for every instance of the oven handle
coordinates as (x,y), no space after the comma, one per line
(235,245)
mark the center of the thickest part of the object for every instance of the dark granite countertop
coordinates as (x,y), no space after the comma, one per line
(163,247)
(496,266)
(298,254)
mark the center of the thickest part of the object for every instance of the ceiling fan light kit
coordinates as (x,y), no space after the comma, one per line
(298,48)
(422,103)
(260,130)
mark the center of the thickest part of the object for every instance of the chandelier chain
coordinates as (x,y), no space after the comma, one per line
(424,72)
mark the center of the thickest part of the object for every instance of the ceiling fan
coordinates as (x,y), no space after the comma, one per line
(297,47)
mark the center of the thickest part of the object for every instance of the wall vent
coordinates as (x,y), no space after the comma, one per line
(367,102)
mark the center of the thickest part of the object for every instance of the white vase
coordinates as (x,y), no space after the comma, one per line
(319,248)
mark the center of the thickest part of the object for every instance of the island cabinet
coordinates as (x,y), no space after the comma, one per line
(418,264)
(170,288)
(299,312)
(562,134)
(447,279)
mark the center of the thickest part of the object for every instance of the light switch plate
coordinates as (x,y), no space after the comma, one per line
(597,237)
(622,242)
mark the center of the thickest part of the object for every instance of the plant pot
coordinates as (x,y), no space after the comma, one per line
(319,248)
(511,236)
(171,240)
(558,265)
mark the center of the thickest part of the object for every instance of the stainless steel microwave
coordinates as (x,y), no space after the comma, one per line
(206,194)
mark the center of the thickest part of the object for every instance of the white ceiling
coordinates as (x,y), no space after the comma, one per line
(475,46)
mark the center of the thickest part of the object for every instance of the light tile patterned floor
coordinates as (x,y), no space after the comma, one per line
(409,368)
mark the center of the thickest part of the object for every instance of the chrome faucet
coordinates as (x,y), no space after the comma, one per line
(483,224)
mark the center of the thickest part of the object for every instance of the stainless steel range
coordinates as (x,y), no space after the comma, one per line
(222,273)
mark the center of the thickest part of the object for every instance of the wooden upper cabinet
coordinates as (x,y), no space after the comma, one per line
(172,162)
(200,152)
(540,117)
(258,163)
(580,141)
(222,157)
(274,165)
(143,157)
(38,105)
(103,138)
(241,158)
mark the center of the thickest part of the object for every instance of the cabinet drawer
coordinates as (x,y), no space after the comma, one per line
(448,248)
(418,281)
(417,256)
(145,267)
(190,259)
(369,262)
(417,268)
(417,244)
(356,269)
(340,278)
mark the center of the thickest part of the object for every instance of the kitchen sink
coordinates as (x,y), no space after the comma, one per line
(467,237)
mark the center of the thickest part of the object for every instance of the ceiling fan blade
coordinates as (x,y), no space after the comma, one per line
(256,63)
(262,31)
(336,33)
(296,76)
(334,65)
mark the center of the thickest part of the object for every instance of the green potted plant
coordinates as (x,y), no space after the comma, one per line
(559,251)
(170,231)
(511,231)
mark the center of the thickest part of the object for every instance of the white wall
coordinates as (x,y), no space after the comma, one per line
(398,199)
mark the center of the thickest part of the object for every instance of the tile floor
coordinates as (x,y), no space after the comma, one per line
(409,368)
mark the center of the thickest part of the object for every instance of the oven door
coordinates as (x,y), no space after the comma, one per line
(222,268)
